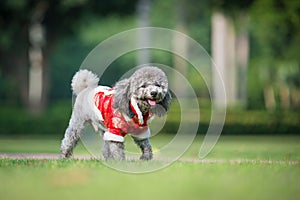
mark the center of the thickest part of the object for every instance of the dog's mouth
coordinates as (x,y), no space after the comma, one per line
(151,102)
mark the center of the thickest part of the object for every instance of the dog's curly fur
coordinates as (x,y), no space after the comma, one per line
(146,85)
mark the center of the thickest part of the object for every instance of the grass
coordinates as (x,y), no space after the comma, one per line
(91,179)
(228,147)
(50,179)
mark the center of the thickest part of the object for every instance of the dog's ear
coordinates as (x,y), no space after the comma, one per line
(162,108)
(122,96)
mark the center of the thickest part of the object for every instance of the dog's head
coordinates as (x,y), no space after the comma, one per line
(148,87)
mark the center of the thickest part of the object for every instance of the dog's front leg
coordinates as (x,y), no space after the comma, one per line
(146,148)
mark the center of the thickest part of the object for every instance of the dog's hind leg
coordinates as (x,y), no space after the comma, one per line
(72,136)
(113,150)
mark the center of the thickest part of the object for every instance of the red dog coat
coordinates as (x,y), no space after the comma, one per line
(116,123)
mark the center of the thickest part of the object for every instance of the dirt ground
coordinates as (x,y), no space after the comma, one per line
(192,160)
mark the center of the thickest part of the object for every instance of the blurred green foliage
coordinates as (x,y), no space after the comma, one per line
(75,27)
(16,121)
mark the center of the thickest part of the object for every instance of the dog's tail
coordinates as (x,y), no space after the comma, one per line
(83,79)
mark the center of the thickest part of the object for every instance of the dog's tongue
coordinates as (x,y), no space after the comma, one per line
(151,102)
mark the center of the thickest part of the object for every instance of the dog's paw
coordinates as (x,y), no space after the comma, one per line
(65,156)
(65,153)
(146,156)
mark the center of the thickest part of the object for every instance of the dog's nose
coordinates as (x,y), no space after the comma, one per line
(153,93)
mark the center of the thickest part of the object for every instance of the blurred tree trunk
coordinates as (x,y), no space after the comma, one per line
(37,86)
(144,37)
(180,45)
(242,56)
(222,40)
(285,96)
(269,97)
(229,52)
(217,48)
(231,67)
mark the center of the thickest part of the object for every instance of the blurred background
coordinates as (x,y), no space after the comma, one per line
(255,44)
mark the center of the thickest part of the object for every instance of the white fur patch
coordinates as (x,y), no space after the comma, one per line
(84,79)
(137,110)
(112,137)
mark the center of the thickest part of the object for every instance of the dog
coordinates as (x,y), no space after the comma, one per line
(126,108)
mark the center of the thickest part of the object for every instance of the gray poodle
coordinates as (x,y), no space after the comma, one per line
(127,108)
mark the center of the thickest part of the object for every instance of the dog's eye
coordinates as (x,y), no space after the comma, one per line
(157,85)
(143,86)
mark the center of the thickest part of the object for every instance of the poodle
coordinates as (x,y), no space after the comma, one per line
(126,108)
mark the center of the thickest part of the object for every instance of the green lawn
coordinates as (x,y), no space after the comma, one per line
(91,179)
(228,147)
